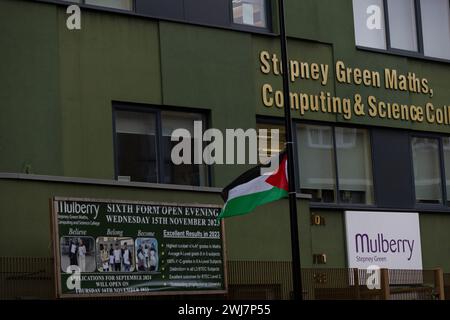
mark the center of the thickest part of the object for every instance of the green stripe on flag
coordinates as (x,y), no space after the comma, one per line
(247,203)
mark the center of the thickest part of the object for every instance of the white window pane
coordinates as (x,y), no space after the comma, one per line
(427,173)
(136,146)
(369,23)
(402,24)
(115,4)
(185,174)
(316,161)
(354,160)
(250,12)
(436,28)
(247,13)
(176,120)
(135,122)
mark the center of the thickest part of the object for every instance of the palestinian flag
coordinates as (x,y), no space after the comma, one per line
(253,189)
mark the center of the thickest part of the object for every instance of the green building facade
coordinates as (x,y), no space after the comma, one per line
(62,92)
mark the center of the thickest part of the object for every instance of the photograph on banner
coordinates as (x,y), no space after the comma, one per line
(115,254)
(147,254)
(77,251)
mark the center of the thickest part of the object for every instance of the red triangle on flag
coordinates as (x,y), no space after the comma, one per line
(279,178)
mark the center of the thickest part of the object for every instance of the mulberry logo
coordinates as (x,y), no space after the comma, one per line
(390,240)
(379,244)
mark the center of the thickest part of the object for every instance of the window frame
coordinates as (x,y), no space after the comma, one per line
(420,53)
(445,202)
(157,139)
(156,110)
(337,190)
(247,27)
(83,3)
(337,203)
(443,207)
(279,121)
(267,31)
(419,35)
(334,155)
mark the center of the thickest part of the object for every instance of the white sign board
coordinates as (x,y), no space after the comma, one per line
(386,239)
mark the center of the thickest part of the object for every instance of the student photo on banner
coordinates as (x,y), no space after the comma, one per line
(79,252)
(147,254)
(104,257)
(115,254)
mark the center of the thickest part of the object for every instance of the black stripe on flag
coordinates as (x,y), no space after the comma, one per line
(247,176)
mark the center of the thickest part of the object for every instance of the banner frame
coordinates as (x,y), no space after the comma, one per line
(55,239)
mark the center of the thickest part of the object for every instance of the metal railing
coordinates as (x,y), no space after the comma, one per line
(33,278)
(446,281)
(273,280)
(26,278)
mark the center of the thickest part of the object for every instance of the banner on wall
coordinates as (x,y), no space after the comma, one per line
(385,239)
(117,248)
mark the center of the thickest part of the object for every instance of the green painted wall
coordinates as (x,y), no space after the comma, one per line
(25,209)
(331,22)
(25,217)
(263,235)
(100,64)
(330,238)
(57,88)
(434,229)
(60,84)
(30,126)
(210,69)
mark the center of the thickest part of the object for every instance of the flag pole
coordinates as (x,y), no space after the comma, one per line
(296,264)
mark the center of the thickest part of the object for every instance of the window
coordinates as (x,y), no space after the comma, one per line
(354,162)
(143,147)
(136,146)
(427,174)
(325,150)
(250,12)
(446,149)
(316,162)
(402,24)
(420,27)
(436,28)
(189,174)
(114,4)
(247,15)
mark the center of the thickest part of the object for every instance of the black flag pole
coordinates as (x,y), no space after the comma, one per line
(295,247)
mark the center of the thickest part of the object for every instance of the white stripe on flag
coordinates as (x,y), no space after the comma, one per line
(258,184)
